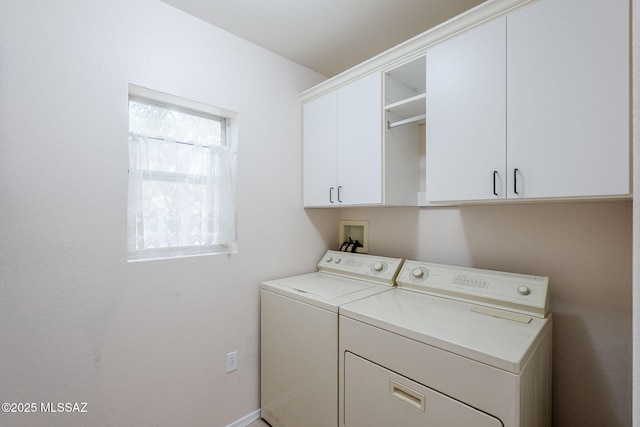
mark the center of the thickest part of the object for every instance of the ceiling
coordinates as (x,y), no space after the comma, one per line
(328,36)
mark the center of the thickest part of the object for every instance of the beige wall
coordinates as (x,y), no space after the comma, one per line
(585,250)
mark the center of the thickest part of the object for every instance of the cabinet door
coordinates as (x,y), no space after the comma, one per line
(568,98)
(466,125)
(360,141)
(320,150)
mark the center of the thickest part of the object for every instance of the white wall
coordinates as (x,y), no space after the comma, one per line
(142,343)
(585,250)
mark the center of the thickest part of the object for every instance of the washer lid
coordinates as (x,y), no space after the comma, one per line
(452,326)
(323,289)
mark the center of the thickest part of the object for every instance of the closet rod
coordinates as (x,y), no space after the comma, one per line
(405,121)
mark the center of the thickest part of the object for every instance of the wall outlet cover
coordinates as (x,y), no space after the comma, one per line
(232,361)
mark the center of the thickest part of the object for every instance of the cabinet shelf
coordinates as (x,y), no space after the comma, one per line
(410,107)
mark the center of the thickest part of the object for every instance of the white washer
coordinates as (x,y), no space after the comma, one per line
(299,335)
(451,346)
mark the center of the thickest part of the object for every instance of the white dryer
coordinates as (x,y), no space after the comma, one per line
(299,335)
(450,346)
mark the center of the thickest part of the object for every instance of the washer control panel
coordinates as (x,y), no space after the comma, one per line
(509,291)
(377,269)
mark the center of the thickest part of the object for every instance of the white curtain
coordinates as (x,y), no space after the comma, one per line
(181,196)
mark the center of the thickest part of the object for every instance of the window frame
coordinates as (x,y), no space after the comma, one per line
(228,120)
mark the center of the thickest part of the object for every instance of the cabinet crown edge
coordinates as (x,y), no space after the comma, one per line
(416,45)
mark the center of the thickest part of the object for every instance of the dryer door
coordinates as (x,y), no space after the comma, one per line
(375,396)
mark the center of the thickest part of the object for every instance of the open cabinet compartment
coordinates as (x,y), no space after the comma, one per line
(405,89)
(404,120)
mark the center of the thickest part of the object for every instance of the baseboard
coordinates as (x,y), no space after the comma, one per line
(246,420)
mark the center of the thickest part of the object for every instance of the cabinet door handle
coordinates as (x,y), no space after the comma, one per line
(339,193)
(515,181)
(330,194)
(495,192)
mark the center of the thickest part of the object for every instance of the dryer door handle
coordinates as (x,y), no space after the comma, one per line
(407,395)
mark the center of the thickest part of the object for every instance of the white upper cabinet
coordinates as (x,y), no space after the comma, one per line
(516,99)
(466,127)
(568,99)
(360,141)
(343,145)
(320,150)
(531,105)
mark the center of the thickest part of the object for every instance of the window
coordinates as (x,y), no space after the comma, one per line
(182,166)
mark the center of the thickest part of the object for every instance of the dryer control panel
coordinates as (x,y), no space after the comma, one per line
(520,293)
(374,268)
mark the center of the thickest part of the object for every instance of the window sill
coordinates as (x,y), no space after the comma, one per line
(183,252)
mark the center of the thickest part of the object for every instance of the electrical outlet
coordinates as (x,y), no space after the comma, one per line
(232,361)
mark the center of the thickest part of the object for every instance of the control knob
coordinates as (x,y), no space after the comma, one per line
(523,290)
(418,274)
(378,267)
